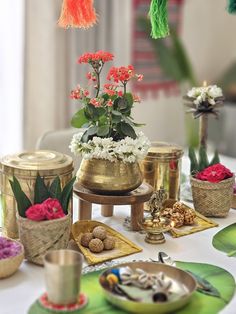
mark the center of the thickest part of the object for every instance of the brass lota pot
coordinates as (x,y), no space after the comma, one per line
(106,177)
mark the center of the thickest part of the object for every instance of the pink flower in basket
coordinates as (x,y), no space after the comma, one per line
(49,209)
(53,209)
(214,174)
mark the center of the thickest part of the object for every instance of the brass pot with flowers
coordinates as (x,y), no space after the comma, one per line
(44,224)
(110,146)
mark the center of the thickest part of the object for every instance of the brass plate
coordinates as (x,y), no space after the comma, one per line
(181,278)
(123,246)
(201,223)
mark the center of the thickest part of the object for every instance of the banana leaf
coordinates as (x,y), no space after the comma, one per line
(225,240)
(200,303)
(221,281)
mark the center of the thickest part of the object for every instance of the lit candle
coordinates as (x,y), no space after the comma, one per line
(204,83)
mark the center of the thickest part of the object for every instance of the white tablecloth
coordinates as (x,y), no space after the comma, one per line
(18,292)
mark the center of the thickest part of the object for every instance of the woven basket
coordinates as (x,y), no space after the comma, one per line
(38,237)
(212,199)
(8,266)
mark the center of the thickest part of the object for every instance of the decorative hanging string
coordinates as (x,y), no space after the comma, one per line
(159,20)
(77,13)
(232,6)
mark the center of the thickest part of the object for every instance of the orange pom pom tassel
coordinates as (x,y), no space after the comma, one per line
(77,13)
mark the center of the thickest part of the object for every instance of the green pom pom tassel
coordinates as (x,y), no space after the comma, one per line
(232,6)
(159,20)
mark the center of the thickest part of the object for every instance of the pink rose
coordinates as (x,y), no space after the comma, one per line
(214,174)
(52,209)
(35,212)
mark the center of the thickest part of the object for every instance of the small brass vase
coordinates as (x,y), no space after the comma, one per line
(106,177)
(162,168)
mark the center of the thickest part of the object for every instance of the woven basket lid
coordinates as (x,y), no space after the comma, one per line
(163,150)
(43,161)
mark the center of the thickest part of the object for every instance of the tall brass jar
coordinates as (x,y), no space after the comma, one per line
(25,167)
(162,167)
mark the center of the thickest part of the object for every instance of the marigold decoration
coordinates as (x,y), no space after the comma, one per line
(77,13)
(214,174)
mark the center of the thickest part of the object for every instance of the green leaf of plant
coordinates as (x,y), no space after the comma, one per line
(85,137)
(129,121)
(128,130)
(79,119)
(23,202)
(194,167)
(103,130)
(215,159)
(225,240)
(92,130)
(116,113)
(116,116)
(66,195)
(41,192)
(204,286)
(90,112)
(55,188)
(129,99)
(122,103)
(100,111)
(203,159)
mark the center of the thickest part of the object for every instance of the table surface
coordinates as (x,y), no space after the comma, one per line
(18,292)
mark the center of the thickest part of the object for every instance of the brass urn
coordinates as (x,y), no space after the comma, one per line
(106,177)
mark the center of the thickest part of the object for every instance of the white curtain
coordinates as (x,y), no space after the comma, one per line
(51,54)
(11,75)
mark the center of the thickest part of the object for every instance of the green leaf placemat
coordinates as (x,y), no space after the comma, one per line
(221,280)
(225,240)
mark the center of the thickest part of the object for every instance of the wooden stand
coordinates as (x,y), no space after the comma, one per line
(135,198)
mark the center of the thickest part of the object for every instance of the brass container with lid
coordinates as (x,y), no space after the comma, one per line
(25,167)
(162,168)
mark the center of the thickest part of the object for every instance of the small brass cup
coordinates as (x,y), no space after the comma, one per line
(62,274)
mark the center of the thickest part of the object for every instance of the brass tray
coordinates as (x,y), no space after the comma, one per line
(201,223)
(181,278)
(123,246)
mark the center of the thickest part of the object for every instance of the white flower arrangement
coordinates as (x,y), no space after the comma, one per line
(205,93)
(127,150)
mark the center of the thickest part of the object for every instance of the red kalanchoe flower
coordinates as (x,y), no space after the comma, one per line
(79,93)
(95,102)
(98,56)
(121,74)
(139,77)
(91,76)
(214,174)
(136,98)
(110,103)
(36,212)
(53,209)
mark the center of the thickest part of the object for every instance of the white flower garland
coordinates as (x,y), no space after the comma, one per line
(205,93)
(127,150)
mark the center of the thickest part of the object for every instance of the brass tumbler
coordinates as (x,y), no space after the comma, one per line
(63,273)
(162,168)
